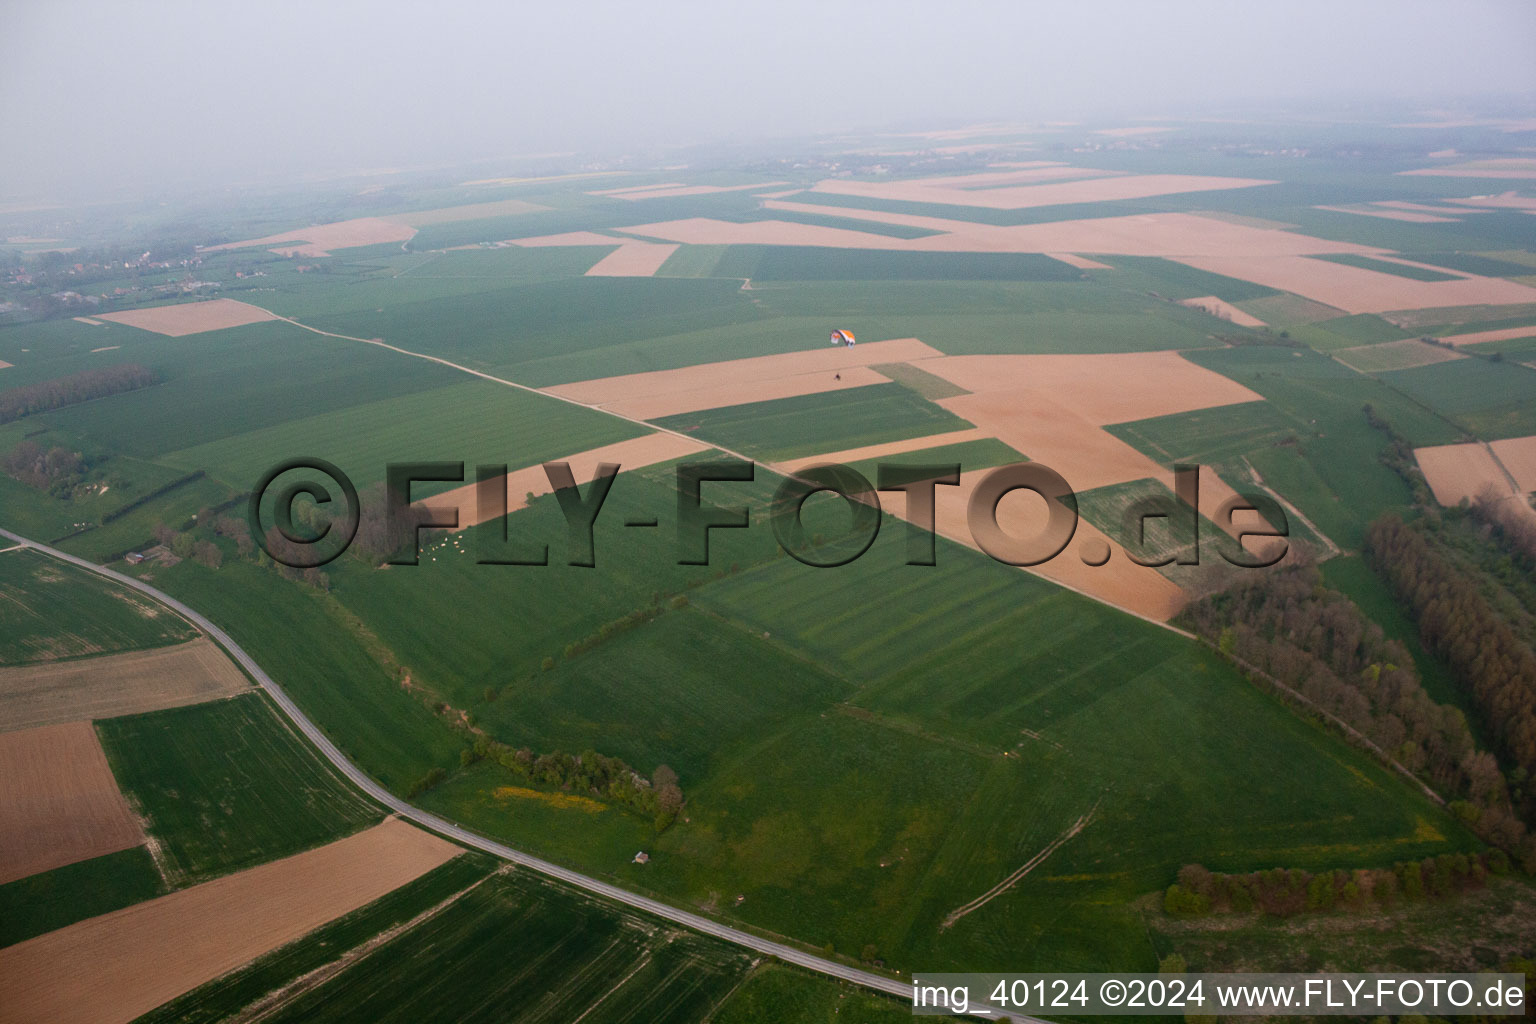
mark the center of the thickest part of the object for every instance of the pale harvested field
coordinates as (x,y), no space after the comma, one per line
(1400,204)
(879,451)
(636,188)
(60,803)
(689,190)
(1394,355)
(1171,235)
(1080,262)
(1028,174)
(118,966)
(738,381)
(1094,190)
(571,238)
(87,320)
(707,231)
(1478,337)
(1120,581)
(1503,201)
(1361,291)
(1502,167)
(5,365)
(1518,455)
(1457,471)
(1101,389)
(106,348)
(1053,409)
(911,220)
(116,684)
(320,239)
(1411,216)
(636,453)
(633,259)
(1389,258)
(191,317)
(1224,310)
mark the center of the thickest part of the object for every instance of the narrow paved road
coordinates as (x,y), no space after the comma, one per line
(901,989)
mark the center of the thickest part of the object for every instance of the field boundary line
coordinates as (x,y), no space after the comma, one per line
(892,986)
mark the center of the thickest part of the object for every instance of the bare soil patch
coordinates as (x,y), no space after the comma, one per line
(60,803)
(1091,190)
(320,239)
(1503,201)
(1080,262)
(1478,337)
(1500,167)
(191,317)
(657,192)
(1457,471)
(116,684)
(1412,216)
(118,966)
(1223,310)
(880,451)
(1355,290)
(633,259)
(738,381)
(1518,456)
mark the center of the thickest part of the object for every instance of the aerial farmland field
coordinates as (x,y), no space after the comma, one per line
(428,593)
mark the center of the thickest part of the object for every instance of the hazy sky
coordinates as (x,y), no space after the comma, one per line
(95,92)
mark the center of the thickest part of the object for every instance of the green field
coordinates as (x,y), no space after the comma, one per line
(476,422)
(1488,265)
(50,610)
(1348,332)
(820,263)
(1350,259)
(304,639)
(224,384)
(228,785)
(982,454)
(1490,400)
(1208,435)
(865,819)
(229,994)
(863,750)
(1174,280)
(788,427)
(52,899)
(570,957)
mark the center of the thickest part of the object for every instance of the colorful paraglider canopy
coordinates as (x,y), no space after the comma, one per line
(841,337)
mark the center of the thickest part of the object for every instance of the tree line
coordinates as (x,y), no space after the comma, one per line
(1456,622)
(72,389)
(1287,893)
(1317,642)
(609,778)
(56,470)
